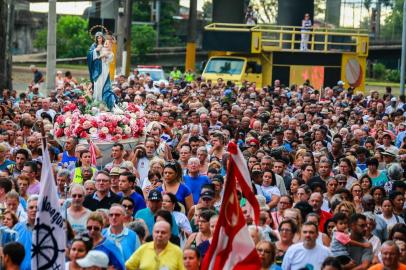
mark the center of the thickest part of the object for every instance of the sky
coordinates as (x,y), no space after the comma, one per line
(77,8)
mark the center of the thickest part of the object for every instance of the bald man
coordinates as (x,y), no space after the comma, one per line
(158,254)
(316,201)
(390,258)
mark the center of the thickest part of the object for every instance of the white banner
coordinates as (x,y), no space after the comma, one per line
(48,237)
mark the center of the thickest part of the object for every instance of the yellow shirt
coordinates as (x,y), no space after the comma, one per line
(145,258)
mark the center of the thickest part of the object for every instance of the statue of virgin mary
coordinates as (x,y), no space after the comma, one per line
(99,58)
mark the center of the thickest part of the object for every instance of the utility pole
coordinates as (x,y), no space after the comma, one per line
(10,32)
(191,37)
(403,55)
(51,47)
(5,72)
(120,39)
(157,20)
(127,35)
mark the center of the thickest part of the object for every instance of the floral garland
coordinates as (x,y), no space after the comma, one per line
(85,122)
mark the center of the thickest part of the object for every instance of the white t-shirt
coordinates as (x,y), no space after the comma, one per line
(272,190)
(392,220)
(297,257)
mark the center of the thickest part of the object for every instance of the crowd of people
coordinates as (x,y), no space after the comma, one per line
(327,168)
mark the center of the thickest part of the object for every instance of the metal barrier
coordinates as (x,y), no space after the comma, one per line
(288,38)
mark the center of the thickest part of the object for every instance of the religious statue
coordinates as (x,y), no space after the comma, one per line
(99,58)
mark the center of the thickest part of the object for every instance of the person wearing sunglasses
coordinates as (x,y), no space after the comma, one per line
(125,239)
(128,205)
(94,227)
(76,213)
(81,245)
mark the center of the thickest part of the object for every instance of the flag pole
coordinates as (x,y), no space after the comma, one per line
(40,124)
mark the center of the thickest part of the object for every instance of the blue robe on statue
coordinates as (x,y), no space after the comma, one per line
(100,76)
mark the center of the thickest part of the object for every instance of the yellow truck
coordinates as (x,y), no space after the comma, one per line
(263,53)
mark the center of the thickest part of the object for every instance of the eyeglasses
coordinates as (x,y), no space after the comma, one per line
(206,199)
(285,230)
(77,195)
(128,206)
(114,214)
(253,145)
(102,180)
(94,228)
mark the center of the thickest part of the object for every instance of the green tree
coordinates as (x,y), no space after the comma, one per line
(392,29)
(167,32)
(141,11)
(142,40)
(72,39)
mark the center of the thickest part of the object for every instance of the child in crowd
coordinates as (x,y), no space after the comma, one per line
(341,239)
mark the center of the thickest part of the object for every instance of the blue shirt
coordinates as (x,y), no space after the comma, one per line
(139,202)
(399,138)
(147,215)
(127,241)
(6,163)
(181,194)
(25,238)
(111,250)
(195,185)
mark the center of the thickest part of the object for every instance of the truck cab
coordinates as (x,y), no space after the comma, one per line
(236,69)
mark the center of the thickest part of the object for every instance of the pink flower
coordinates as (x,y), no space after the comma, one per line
(119,130)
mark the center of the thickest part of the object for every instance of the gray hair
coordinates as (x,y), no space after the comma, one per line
(391,243)
(395,172)
(32,198)
(77,186)
(64,173)
(193,159)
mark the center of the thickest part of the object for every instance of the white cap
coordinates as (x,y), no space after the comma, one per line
(94,258)
(393,99)
(340,83)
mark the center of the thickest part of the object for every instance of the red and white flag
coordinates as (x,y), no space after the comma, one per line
(92,151)
(232,246)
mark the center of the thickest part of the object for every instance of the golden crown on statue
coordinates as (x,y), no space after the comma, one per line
(98,28)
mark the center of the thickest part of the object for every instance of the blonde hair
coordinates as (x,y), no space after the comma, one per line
(348,205)
(157,160)
(96,216)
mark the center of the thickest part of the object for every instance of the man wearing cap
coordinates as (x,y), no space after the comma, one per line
(114,176)
(387,143)
(125,239)
(154,203)
(194,180)
(126,185)
(103,197)
(158,254)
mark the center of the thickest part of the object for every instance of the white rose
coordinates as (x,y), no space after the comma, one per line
(127,130)
(133,115)
(68,122)
(93,130)
(105,130)
(133,121)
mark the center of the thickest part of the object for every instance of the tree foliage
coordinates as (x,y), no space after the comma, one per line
(207,10)
(142,40)
(141,11)
(72,39)
(392,29)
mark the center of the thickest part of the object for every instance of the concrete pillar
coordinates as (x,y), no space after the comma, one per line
(51,47)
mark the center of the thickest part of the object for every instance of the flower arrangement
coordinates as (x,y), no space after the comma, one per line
(125,122)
